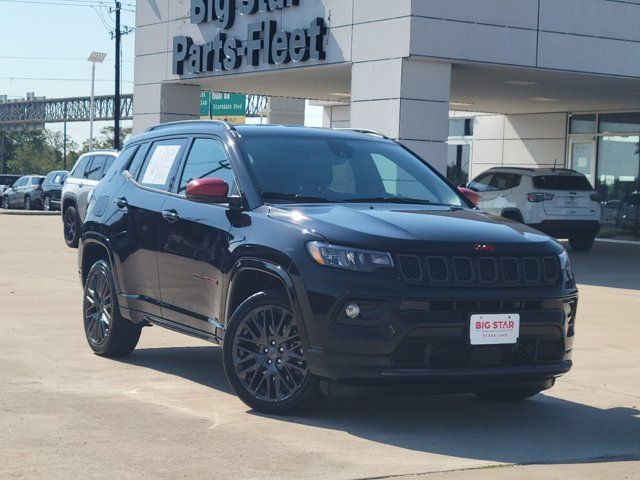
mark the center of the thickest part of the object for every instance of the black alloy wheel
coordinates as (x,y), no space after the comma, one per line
(108,333)
(264,356)
(98,307)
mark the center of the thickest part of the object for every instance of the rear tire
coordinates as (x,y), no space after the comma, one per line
(5,203)
(71,227)
(506,394)
(107,332)
(582,244)
(512,215)
(264,358)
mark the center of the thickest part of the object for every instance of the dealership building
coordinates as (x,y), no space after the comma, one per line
(467,84)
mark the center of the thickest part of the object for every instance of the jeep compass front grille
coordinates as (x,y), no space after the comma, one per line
(480,270)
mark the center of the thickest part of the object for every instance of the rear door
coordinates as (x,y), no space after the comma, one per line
(571,195)
(194,242)
(150,177)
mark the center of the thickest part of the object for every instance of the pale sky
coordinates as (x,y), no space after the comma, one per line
(44,45)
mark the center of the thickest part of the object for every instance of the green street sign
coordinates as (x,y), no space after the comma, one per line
(224,106)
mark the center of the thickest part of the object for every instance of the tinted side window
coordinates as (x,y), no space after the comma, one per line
(134,163)
(481,184)
(94,172)
(50,177)
(36,181)
(109,159)
(81,166)
(207,159)
(505,181)
(157,170)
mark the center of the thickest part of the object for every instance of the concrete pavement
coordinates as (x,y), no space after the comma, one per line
(166,412)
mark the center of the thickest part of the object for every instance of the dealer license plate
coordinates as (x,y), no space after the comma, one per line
(494,329)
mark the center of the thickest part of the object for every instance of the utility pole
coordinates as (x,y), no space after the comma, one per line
(116,100)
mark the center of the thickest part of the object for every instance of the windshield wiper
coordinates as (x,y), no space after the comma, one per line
(294,197)
(399,200)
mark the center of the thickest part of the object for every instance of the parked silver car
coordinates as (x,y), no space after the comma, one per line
(87,172)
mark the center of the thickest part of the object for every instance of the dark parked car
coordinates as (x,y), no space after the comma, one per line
(6,181)
(321,261)
(25,193)
(52,188)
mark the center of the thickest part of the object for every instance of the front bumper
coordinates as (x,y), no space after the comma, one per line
(426,343)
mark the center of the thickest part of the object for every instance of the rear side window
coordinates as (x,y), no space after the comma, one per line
(36,180)
(207,159)
(81,167)
(505,181)
(482,183)
(158,167)
(109,159)
(562,182)
(94,172)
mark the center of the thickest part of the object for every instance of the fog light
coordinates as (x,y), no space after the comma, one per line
(352,310)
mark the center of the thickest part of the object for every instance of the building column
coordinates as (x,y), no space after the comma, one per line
(164,102)
(285,111)
(407,100)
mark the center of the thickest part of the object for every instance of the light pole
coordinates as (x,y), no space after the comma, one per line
(95,57)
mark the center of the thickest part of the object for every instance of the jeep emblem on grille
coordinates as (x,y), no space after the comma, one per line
(484,248)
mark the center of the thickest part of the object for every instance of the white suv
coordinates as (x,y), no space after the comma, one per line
(87,172)
(561,203)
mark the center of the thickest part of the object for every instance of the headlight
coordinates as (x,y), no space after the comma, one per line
(348,258)
(565,263)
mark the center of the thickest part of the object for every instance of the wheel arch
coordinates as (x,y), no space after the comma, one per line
(94,249)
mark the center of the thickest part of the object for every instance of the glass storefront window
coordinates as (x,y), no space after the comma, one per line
(618,184)
(582,124)
(461,127)
(619,123)
(458,159)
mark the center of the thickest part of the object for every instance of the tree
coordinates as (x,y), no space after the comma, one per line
(105,141)
(35,153)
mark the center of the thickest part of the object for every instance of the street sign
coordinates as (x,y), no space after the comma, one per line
(230,107)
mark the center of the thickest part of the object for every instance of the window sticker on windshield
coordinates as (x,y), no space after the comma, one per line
(160,164)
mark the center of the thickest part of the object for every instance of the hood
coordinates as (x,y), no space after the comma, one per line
(409,228)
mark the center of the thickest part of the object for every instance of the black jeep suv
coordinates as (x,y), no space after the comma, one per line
(321,260)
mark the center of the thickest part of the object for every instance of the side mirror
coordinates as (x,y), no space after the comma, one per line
(212,191)
(470,195)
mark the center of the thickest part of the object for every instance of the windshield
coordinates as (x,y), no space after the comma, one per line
(329,169)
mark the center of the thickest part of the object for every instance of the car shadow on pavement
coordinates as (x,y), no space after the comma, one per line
(608,265)
(201,365)
(541,430)
(545,429)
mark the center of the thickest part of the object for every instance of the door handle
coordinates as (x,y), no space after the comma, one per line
(121,203)
(171,216)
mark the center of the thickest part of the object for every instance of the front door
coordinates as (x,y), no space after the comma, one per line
(583,158)
(194,242)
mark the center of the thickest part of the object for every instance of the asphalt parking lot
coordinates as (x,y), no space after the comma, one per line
(167,412)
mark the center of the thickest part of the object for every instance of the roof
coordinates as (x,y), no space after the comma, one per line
(536,171)
(216,126)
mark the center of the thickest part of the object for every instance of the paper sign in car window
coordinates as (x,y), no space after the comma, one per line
(160,165)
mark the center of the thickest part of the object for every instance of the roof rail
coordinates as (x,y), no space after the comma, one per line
(365,131)
(190,122)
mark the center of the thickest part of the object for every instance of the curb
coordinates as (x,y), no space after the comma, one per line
(29,213)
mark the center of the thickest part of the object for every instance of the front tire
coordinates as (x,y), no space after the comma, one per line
(582,244)
(107,332)
(264,357)
(46,204)
(71,227)
(27,203)
(5,203)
